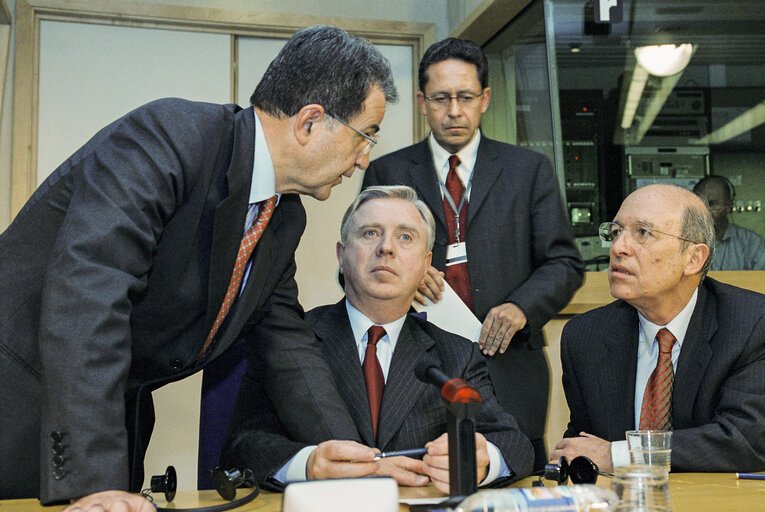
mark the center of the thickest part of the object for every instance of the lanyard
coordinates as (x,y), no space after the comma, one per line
(453,206)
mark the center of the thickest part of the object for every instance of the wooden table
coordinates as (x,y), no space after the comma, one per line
(690,492)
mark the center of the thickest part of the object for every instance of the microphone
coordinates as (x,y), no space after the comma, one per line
(452,390)
(427,371)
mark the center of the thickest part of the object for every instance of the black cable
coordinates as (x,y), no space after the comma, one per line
(217,508)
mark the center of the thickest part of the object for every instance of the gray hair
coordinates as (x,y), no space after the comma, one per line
(699,226)
(326,66)
(390,192)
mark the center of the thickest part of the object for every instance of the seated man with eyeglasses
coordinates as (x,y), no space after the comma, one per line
(678,351)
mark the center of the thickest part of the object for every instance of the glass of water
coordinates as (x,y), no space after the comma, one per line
(651,447)
(641,488)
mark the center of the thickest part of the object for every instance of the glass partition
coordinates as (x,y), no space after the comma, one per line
(646,91)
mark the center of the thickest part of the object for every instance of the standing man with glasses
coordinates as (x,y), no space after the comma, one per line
(502,239)
(166,238)
(678,351)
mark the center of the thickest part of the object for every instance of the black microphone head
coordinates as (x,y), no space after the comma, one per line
(421,369)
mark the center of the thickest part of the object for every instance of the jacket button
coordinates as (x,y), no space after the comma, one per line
(58,473)
(56,436)
(176,364)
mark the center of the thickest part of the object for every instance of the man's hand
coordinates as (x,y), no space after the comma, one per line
(500,326)
(437,461)
(594,448)
(341,459)
(407,471)
(431,286)
(111,501)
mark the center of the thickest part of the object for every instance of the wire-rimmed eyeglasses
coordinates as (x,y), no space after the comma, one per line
(370,141)
(640,232)
(441,101)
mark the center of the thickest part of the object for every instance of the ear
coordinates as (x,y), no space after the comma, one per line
(485,99)
(428,259)
(339,249)
(421,103)
(697,256)
(304,121)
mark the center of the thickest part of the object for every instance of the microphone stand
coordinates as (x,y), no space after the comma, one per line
(462,403)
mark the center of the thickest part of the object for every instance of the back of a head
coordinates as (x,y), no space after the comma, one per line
(326,66)
(454,48)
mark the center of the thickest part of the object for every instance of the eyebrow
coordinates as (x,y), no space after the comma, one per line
(407,227)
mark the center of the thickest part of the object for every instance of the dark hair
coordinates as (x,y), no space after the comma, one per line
(703,183)
(327,66)
(453,48)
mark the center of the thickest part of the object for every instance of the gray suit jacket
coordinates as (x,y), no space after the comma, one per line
(718,401)
(412,413)
(520,249)
(113,273)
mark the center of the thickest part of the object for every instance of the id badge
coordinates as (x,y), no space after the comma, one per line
(456,254)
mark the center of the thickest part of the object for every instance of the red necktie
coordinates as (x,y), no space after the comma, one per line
(457,275)
(250,239)
(656,413)
(373,375)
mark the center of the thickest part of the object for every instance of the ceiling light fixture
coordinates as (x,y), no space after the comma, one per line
(664,59)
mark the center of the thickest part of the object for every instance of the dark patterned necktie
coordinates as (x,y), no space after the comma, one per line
(656,413)
(250,239)
(373,375)
(457,275)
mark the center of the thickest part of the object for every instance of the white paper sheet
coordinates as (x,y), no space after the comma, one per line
(451,314)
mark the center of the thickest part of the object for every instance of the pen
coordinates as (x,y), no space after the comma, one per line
(409,453)
(750,476)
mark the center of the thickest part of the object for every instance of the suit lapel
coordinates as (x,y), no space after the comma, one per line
(485,173)
(695,356)
(334,331)
(425,179)
(617,353)
(228,227)
(402,389)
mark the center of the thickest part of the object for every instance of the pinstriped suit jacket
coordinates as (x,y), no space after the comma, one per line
(412,413)
(718,402)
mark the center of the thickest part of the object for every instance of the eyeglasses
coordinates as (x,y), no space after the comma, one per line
(370,141)
(641,233)
(441,101)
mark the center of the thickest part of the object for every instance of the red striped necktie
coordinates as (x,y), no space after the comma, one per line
(656,413)
(457,275)
(250,239)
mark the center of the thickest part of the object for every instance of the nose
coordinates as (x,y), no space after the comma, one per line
(621,244)
(386,245)
(455,108)
(362,161)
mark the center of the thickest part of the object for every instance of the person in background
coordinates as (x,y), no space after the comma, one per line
(677,351)
(164,239)
(372,346)
(502,238)
(736,248)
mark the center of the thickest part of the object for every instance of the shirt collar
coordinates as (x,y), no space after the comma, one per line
(263,176)
(467,154)
(360,324)
(678,326)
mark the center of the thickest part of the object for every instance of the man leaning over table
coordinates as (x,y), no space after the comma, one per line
(706,338)
(386,238)
(118,276)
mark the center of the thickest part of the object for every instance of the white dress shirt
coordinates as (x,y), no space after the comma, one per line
(648,354)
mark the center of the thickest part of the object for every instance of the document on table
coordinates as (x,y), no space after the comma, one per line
(451,314)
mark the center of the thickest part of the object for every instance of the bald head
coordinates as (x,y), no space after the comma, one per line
(717,192)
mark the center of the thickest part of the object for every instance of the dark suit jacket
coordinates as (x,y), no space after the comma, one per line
(718,401)
(520,249)
(112,275)
(412,413)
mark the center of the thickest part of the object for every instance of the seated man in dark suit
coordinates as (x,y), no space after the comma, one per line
(706,339)
(386,238)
